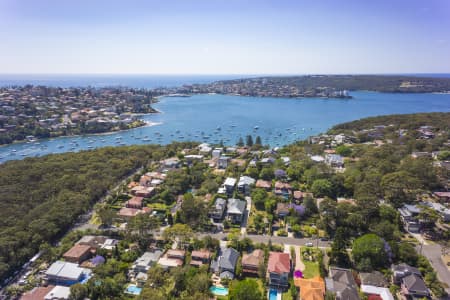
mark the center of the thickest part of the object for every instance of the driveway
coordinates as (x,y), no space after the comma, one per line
(246,216)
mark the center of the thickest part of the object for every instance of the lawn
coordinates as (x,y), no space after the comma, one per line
(311,269)
(286,296)
(309,258)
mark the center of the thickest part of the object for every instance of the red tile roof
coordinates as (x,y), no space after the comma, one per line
(37,293)
(279,263)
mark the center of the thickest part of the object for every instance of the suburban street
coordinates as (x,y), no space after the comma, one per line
(277,240)
(433,254)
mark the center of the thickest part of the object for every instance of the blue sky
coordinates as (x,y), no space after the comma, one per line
(224,36)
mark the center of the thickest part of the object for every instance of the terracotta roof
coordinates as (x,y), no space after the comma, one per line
(263,184)
(205,254)
(135,201)
(298,194)
(173,252)
(253,259)
(128,212)
(281,185)
(279,263)
(311,289)
(37,293)
(77,251)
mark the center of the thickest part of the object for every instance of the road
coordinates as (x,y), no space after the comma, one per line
(433,254)
(276,239)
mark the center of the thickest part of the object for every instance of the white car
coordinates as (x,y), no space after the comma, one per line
(309,244)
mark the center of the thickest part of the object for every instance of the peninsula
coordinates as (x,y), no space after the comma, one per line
(325,86)
(33,112)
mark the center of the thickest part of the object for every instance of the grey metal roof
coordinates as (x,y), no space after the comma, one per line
(228,259)
(236,206)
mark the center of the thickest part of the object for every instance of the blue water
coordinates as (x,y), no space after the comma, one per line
(132,289)
(273,294)
(279,121)
(108,80)
(219,291)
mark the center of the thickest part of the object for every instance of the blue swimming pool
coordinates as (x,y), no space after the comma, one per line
(273,294)
(219,291)
(134,290)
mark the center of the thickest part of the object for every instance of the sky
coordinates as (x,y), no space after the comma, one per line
(224,36)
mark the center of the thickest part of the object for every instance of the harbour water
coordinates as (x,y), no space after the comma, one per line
(216,118)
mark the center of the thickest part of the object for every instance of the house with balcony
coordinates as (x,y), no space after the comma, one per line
(278,270)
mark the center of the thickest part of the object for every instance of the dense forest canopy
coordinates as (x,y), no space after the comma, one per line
(379,83)
(404,121)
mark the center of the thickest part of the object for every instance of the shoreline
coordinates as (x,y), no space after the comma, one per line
(146,124)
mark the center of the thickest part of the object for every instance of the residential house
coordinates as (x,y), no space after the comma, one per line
(37,293)
(135,202)
(216,153)
(145,180)
(200,257)
(244,184)
(400,271)
(413,287)
(58,293)
(127,213)
(146,261)
(376,292)
(334,160)
(374,278)
(78,253)
(66,273)
(341,282)
(217,211)
(173,258)
(283,189)
(229,185)
(278,270)
(317,158)
(282,209)
(311,289)
(297,196)
(263,184)
(143,191)
(98,242)
(443,211)
(408,215)
(286,160)
(236,210)
(267,160)
(225,264)
(191,158)
(223,162)
(442,196)
(252,261)
(171,163)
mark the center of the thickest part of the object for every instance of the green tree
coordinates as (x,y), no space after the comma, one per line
(249,141)
(369,252)
(399,187)
(246,289)
(78,292)
(322,188)
(344,150)
(240,142)
(258,141)
(338,254)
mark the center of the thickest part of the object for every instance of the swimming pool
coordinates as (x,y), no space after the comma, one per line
(134,290)
(273,294)
(219,291)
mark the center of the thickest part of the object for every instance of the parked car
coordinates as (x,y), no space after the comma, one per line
(309,244)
